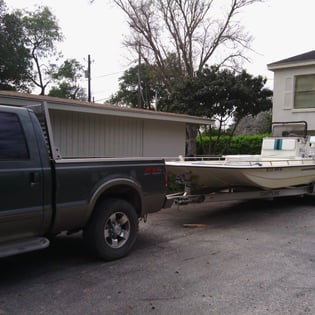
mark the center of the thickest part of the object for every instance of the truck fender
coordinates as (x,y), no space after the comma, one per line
(108,188)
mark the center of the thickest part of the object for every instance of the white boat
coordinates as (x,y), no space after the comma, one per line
(287,159)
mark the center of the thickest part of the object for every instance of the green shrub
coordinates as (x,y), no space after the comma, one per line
(240,144)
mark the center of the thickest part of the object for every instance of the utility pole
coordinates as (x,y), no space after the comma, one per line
(89,78)
(139,77)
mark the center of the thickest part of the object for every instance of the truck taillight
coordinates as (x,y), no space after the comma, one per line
(165,177)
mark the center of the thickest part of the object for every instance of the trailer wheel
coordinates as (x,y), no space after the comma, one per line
(112,230)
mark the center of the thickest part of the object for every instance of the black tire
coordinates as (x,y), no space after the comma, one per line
(112,229)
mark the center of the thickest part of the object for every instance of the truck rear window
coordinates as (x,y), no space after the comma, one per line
(12,139)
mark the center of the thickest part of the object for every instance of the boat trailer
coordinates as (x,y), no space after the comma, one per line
(184,198)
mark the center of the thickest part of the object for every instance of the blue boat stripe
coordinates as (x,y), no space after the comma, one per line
(278,144)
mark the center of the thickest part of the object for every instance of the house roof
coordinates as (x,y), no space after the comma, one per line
(15,98)
(301,60)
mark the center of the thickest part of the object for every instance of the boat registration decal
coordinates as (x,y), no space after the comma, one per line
(274,169)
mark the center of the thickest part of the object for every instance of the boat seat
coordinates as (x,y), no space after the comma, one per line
(312,141)
(279,147)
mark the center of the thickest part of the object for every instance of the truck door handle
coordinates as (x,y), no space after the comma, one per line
(34,179)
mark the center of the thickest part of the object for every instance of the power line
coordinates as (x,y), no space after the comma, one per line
(109,74)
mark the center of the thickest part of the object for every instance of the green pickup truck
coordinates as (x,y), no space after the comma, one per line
(43,194)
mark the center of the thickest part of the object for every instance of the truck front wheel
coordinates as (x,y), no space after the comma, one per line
(112,230)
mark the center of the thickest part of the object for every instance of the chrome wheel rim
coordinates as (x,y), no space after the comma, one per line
(117,230)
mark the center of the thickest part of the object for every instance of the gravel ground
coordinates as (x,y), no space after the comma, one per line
(211,258)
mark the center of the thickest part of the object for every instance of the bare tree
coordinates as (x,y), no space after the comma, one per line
(191,33)
(188,34)
(191,30)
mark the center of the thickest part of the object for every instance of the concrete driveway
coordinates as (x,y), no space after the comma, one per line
(250,258)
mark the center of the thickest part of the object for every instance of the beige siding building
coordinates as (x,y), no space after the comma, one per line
(82,129)
(294,89)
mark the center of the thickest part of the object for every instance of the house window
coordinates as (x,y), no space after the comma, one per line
(304,91)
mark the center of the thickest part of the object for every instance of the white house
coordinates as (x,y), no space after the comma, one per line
(294,89)
(83,129)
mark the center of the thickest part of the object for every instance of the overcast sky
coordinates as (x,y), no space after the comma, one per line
(281,29)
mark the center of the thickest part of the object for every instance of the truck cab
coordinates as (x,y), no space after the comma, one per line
(25,176)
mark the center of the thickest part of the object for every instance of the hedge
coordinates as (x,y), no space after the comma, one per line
(240,144)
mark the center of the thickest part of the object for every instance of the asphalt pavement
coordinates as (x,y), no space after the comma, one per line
(241,258)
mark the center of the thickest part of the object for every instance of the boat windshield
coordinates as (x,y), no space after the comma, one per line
(289,129)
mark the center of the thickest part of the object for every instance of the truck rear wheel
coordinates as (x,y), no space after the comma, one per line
(112,230)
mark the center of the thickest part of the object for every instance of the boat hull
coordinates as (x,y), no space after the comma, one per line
(287,159)
(216,175)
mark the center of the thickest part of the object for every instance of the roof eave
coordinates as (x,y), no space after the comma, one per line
(288,65)
(102,109)
(132,113)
